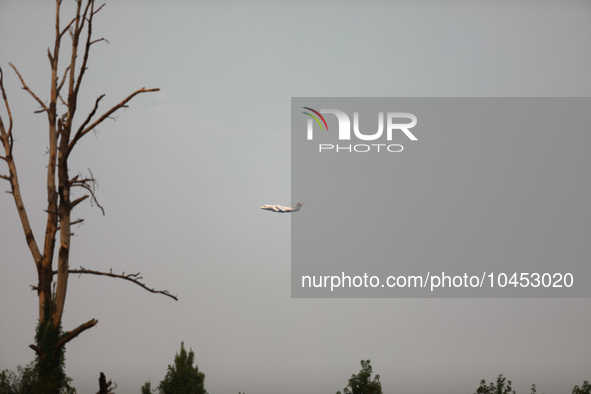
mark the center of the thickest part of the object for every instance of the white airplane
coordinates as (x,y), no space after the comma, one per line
(281,209)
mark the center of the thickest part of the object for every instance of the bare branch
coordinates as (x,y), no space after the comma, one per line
(91,114)
(36,349)
(88,184)
(82,132)
(5,98)
(27,88)
(7,142)
(75,332)
(91,190)
(98,9)
(6,135)
(98,40)
(59,88)
(79,200)
(62,100)
(66,28)
(73,92)
(135,278)
(77,221)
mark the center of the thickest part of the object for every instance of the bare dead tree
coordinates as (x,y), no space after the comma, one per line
(104,386)
(64,134)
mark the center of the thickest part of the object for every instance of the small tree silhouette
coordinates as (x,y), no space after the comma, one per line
(182,377)
(362,383)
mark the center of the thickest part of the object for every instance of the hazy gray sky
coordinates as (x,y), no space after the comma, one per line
(182,174)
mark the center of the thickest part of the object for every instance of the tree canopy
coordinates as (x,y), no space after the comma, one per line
(503,386)
(182,377)
(362,383)
(584,389)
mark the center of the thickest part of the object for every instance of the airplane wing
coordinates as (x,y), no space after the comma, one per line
(279,208)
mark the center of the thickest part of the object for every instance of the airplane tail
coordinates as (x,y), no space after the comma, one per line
(297,207)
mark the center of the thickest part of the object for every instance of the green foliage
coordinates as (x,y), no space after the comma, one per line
(147,388)
(362,383)
(50,363)
(26,381)
(182,377)
(46,374)
(503,386)
(23,382)
(585,389)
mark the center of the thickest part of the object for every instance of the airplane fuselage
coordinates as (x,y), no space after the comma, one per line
(281,209)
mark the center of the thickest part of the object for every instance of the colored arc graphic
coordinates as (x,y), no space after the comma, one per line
(315,118)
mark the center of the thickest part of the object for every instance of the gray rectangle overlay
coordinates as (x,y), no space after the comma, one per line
(455,197)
